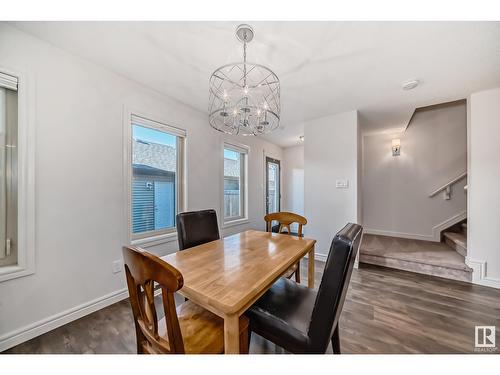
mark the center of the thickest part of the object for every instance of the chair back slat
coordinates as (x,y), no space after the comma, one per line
(333,288)
(143,270)
(285,219)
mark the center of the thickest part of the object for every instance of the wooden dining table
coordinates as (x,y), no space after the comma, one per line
(227,276)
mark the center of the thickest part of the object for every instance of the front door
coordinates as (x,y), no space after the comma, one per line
(273,185)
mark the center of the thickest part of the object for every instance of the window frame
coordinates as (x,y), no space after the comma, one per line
(26,246)
(155,237)
(244,150)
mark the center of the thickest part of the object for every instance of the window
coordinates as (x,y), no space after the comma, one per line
(157,160)
(17,173)
(8,171)
(234,182)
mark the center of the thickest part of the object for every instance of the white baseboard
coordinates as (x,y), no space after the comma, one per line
(322,258)
(435,236)
(48,324)
(479,275)
(318,256)
(411,236)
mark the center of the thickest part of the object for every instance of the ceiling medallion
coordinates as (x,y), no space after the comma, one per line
(244,98)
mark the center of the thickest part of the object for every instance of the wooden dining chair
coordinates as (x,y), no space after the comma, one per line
(188,328)
(285,220)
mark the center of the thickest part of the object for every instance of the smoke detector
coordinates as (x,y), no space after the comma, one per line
(409,85)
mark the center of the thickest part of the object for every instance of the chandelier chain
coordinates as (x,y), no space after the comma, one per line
(245,61)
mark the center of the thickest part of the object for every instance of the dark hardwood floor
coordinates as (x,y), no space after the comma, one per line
(386,311)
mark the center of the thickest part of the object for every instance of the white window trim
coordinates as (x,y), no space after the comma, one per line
(242,219)
(170,234)
(26,179)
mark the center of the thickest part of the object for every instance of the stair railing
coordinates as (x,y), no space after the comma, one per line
(446,188)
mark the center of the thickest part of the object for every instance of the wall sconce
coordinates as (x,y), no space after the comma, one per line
(396,147)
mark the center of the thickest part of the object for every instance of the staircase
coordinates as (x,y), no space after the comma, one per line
(457,240)
(443,259)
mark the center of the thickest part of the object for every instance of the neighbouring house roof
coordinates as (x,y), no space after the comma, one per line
(158,156)
(154,155)
(231,168)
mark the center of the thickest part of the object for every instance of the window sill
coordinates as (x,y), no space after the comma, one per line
(233,223)
(15,271)
(155,240)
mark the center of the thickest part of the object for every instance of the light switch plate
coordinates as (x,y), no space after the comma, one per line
(117,266)
(342,184)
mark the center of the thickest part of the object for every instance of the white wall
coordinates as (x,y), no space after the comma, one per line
(396,189)
(483,245)
(331,153)
(293,179)
(80,207)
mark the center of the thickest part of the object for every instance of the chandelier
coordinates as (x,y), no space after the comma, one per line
(244,98)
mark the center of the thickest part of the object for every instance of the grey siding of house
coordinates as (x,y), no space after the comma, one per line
(144,206)
(143,217)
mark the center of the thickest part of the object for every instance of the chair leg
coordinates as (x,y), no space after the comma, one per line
(297,273)
(249,340)
(139,337)
(336,340)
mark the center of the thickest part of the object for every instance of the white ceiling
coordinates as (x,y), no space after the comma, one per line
(324,67)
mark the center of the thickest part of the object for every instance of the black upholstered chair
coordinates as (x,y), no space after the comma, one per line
(301,320)
(196,228)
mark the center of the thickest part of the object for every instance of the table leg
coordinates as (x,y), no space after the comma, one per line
(310,271)
(232,334)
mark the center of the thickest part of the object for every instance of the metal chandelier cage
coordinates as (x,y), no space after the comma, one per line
(244,98)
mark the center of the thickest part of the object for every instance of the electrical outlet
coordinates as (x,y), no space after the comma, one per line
(117,266)
(342,184)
